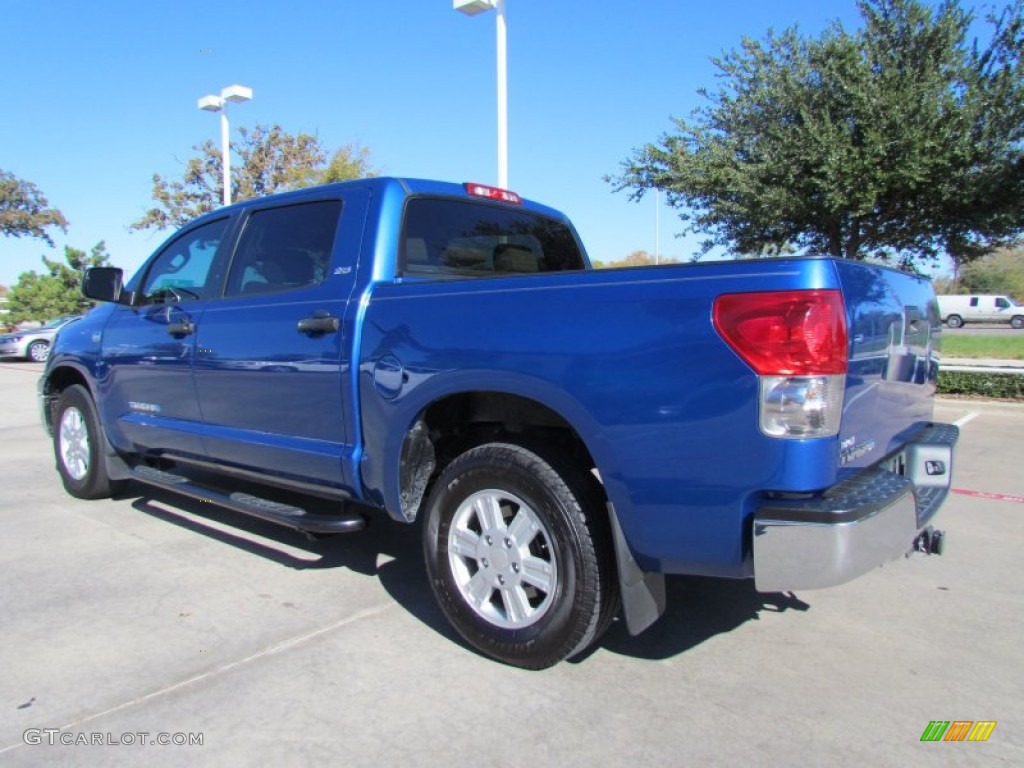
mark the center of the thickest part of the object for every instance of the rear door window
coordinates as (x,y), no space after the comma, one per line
(460,238)
(284,248)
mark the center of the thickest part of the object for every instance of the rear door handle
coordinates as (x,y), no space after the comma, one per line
(319,322)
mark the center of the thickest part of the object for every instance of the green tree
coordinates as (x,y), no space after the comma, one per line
(897,141)
(25,211)
(268,160)
(350,162)
(634,259)
(56,291)
(999,272)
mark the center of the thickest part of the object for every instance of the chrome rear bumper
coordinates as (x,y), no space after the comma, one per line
(857,525)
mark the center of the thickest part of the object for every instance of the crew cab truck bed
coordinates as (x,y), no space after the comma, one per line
(569,436)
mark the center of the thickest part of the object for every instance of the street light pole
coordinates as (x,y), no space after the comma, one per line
(502,45)
(225,148)
(471,8)
(213,103)
(657,226)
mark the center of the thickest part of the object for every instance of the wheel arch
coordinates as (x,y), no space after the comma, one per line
(448,414)
(57,380)
(456,422)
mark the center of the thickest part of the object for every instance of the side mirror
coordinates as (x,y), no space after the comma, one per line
(103,283)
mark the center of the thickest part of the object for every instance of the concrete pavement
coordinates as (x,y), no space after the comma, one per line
(154,615)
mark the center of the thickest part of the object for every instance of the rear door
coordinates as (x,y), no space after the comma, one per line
(272,352)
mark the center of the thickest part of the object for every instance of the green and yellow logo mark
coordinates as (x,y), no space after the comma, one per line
(958,730)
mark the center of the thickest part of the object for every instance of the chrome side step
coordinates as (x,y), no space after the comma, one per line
(287,515)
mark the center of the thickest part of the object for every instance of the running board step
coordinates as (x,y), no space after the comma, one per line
(272,511)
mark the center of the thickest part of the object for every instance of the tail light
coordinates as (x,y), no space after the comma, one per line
(493,193)
(796,342)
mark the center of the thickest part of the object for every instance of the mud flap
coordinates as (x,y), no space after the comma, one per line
(643,594)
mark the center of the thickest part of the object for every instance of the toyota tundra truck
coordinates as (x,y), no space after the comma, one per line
(566,436)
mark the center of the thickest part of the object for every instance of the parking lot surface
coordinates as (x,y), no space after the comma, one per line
(150,618)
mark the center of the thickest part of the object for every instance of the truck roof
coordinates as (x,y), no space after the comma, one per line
(406,187)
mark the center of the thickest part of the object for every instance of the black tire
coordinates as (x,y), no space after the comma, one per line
(534,582)
(954,321)
(38,351)
(1017,321)
(77,447)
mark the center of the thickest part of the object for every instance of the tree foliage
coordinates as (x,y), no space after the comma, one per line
(25,211)
(266,160)
(57,291)
(350,162)
(1000,272)
(634,259)
(899,140)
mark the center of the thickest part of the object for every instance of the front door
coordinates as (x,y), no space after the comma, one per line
(149,401)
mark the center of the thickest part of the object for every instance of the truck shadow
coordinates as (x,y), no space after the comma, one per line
(359,551)
(388,551)
(698,608)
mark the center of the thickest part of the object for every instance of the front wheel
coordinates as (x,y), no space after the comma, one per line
(77,446)
(38,351)
(1017,322)
(519,555)
(954,321)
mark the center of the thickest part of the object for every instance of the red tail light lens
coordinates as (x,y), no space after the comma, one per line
(785,333)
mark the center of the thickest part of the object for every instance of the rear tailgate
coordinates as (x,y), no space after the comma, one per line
(895,463)
(894,333)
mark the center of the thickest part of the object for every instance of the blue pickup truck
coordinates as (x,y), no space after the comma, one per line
(567,436)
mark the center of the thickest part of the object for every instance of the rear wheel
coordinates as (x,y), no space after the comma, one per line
(77,446)
(954,321)
(38,351)
(519,556)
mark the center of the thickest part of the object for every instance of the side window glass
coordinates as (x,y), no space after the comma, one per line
(282,249)
(181,271)
(1002,303)
(974,301)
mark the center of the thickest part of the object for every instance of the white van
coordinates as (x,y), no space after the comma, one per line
(980,308)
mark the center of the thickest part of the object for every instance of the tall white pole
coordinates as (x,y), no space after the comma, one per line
(225,143)
(657,226)
(502,96)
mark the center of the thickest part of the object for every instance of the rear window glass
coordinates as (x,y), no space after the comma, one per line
(446,237)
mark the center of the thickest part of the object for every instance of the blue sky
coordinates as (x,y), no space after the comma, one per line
(99,96)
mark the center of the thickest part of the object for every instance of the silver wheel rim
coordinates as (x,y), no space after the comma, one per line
(502,559)
(39,352)
(73,441)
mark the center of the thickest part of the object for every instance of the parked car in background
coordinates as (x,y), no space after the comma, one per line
(33,344)
(980,308)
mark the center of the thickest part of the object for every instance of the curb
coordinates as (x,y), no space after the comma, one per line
(969,365)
